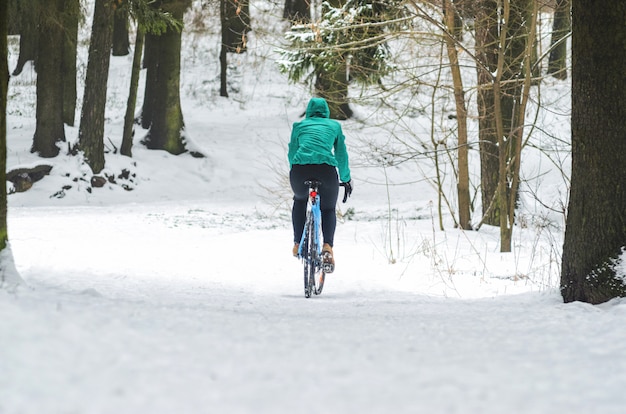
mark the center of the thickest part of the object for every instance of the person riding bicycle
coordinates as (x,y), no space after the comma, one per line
(317,149)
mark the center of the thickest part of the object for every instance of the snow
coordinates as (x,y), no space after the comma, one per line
(181,295)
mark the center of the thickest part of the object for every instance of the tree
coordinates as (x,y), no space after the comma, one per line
(50,129)
(331,81)
(453,32)
(129,117)
(4,85)
(121,44)
(504,44)
(235,18)
(354,32)
(71,17)
(25,15)
(26,18)
(91,130)
(595,234)
(297,11)
(162,97)
(557,63)
(8,272)
(153,21)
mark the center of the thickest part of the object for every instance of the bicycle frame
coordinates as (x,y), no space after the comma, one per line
(313,212)
(310,248)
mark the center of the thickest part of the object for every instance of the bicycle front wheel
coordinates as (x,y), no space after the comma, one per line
(309,252)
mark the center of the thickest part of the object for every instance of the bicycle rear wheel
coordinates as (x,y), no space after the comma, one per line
(309,258)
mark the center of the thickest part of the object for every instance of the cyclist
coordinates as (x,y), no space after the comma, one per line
(317,150)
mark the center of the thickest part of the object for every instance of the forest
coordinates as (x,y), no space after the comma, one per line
(456,83)
(145,222)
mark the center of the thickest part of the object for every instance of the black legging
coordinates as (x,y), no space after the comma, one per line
(328,191)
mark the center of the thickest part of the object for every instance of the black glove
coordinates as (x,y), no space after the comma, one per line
(347,190)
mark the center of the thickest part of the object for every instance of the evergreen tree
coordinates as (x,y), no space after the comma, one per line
(353,31)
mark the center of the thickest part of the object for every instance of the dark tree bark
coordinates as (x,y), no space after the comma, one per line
(121,43)
(13,17)
(50,129)
(235,24)
(486,45)
(151,47)
(9,277)
(235,19)
(557,63)
(595,233)
(297,10)
(332,85)
(167,125)
(91,130)
(224,50)
(223,71)
(4,85)
(129,118)
(71,16)
(27,20)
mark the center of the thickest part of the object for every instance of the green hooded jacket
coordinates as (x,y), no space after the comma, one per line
(317,139)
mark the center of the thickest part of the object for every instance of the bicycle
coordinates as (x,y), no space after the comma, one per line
(310,248)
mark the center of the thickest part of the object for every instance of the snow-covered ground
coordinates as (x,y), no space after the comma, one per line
(181,295)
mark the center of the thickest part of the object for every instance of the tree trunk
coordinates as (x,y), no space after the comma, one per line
(235,17)
(224,50)
(121,44)
(235,20)
(9,277)
(595,233)
(71,15)
(91,131)
(332,84)
(486,47)
(28,18)
(150,64)
(502,45)
(557,63)
(223,71)
(4,85)
(297,10)
(463,192)
(167,126)
(50,128)
(13,14)
(129,118)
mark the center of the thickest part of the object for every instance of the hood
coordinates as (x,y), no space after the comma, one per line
(317,108)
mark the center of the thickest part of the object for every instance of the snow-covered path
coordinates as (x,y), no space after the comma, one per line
(183,311)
